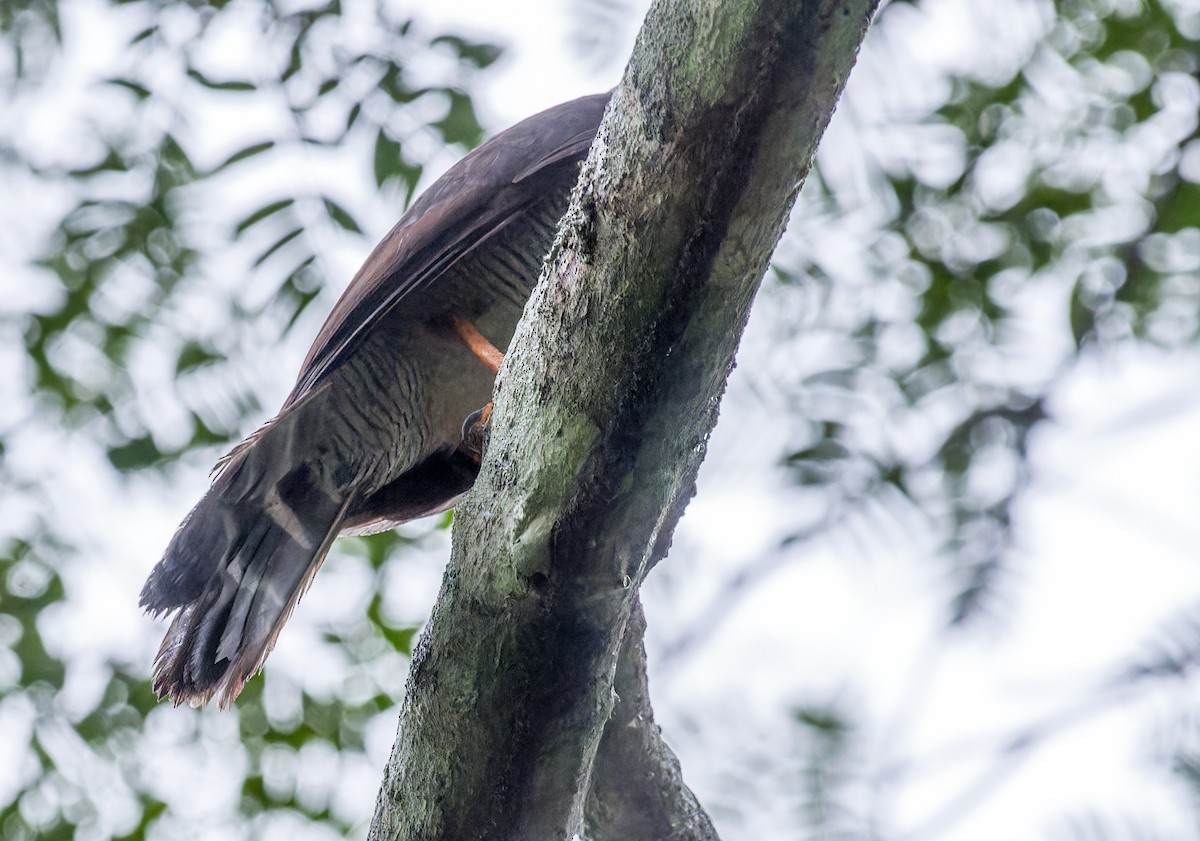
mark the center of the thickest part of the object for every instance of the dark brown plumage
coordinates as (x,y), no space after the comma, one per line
(371,434)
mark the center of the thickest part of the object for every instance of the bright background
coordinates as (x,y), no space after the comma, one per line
(812,660)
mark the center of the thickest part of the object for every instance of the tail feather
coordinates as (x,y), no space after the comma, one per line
(251,578)
(270,608)
(235,569)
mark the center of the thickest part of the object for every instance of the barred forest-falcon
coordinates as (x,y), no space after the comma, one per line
(377,429)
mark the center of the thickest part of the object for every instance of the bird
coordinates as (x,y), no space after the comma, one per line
(383,424)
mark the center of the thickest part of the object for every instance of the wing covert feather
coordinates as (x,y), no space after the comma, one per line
(477,197)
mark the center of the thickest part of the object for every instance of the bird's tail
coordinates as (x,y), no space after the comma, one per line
(238,564)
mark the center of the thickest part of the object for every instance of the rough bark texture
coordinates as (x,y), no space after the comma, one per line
(603,411)
(637,787)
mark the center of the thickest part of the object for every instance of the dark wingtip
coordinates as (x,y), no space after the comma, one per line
(173,679)
(183,676)
(148,599)
(157,595)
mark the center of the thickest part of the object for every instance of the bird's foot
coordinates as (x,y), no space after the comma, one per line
(475,432)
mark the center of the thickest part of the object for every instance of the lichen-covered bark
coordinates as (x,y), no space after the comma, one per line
(637,786)
(603,411)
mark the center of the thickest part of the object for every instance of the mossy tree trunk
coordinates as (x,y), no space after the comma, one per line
(527,714)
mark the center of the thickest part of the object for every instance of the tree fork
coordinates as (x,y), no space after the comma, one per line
(602,413)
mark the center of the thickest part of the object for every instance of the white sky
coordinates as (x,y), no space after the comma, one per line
(1107,549)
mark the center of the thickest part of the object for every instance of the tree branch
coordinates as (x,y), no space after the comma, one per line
(603,410)
(637,788)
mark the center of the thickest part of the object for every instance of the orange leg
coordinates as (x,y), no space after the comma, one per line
(485,351)
(474,431)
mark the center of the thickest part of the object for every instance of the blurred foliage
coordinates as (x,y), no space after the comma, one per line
(989,230)
(958,248)
(816,792)
(125,254)
(145,309)
(1070,176)
(596,28)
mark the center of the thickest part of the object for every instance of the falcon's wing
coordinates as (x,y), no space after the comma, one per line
(476,198)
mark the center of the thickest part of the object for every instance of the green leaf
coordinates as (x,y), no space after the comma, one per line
(340,215)
(1083,319)
(352,117)
(401,639)
(480,55)
(261,214)
(144,34)
(212,84)
(302,287)
(278,244)
(313,140)
(242,154)
(134,454)
(396,86)
(173,157)
(460,125)
(1180,209)
(194,355)
(138,90)
(112,162)
(204,435)
(295,57)
(387,154)
(825,719)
